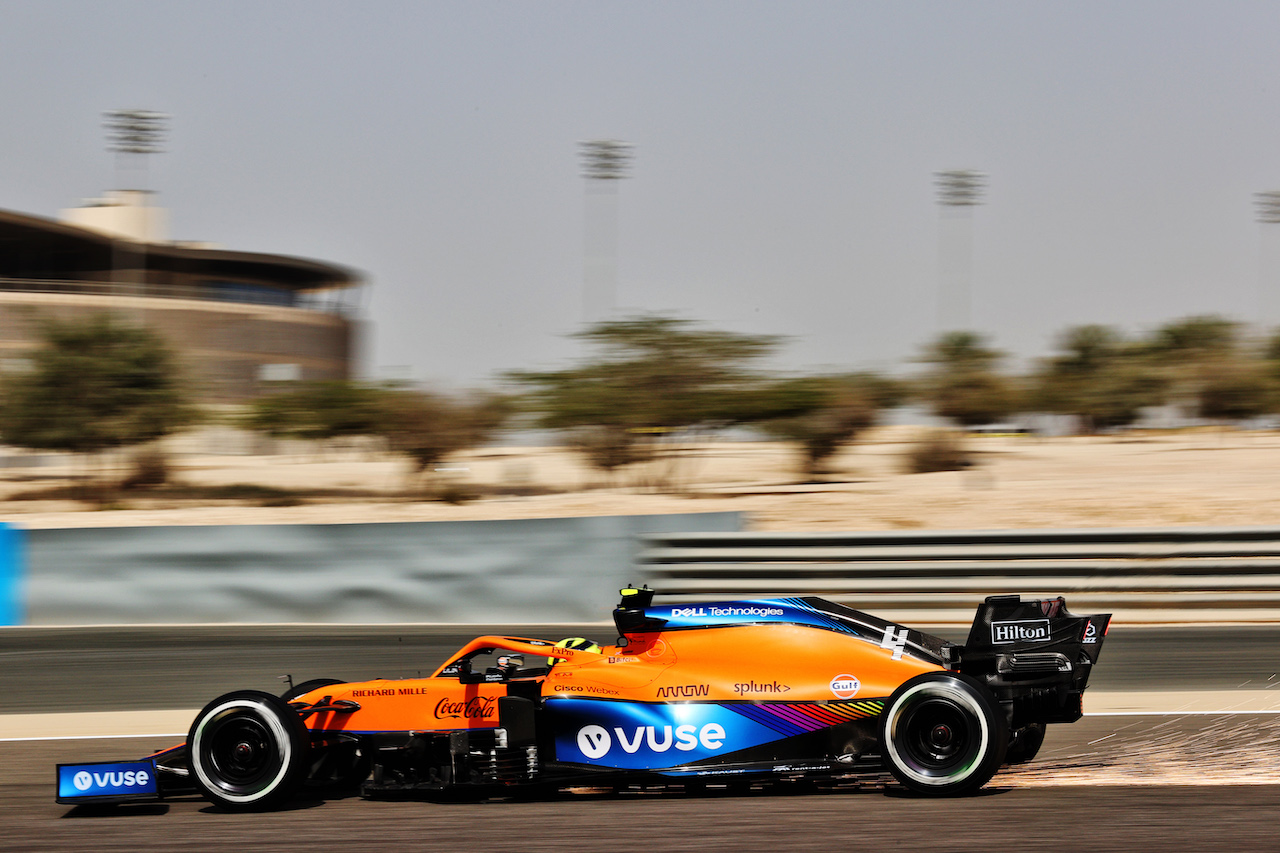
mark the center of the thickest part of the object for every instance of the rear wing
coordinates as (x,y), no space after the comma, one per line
(1034,651)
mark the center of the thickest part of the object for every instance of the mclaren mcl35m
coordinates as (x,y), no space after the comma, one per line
(735,692)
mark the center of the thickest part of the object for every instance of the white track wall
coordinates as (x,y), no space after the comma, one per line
(533,570)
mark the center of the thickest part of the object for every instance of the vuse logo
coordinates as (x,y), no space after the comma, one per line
(85,780)
(595,741)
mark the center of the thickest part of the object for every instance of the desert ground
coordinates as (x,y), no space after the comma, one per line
(1156,479)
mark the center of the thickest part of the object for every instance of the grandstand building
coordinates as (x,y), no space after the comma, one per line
(238,321)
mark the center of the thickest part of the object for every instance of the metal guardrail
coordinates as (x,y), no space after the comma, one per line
(1154,576)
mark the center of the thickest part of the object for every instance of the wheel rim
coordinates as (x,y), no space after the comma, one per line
(241,752)
(938,739)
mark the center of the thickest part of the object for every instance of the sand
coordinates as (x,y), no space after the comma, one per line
(1162,479)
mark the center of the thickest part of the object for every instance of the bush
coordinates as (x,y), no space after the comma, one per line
(937,450)
(150,468)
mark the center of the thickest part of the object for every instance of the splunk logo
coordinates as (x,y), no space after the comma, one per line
(595,741)
(1021,631)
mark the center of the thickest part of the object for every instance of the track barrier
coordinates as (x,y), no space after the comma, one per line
(1151,576)
(522,570)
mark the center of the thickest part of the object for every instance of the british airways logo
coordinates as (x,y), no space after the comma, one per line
(1021,631)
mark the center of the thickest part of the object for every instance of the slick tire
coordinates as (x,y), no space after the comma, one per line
(943,734)
(248,751)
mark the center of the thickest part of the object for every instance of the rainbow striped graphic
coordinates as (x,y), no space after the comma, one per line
(794,718)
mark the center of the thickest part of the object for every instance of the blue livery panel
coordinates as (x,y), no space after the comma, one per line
(640,736)
(122,780)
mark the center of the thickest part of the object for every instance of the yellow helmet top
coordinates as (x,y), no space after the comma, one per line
(577,644)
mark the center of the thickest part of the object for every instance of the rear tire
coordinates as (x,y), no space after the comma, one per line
(943,734)
(248,750)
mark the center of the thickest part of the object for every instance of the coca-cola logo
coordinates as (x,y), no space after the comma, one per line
(475,708)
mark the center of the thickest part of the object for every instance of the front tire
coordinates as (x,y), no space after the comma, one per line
(942,734)
(248,750)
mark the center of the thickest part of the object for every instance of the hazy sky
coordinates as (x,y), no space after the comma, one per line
(784,158)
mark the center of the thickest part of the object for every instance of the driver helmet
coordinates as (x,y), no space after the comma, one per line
(577,644)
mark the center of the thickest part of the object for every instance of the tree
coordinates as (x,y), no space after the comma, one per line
(318,411)
(1236,389)
(1196,338)
(420,425)
(651,376)
(962,351)
(427,427)
(1099,377)
(94,385)
(962,384)
(1210,372)
(822,414)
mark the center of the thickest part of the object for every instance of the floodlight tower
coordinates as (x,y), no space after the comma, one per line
(134,134)
(1267,205)
(959,191)
(604,163)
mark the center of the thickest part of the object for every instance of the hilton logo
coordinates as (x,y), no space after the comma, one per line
(1015,632)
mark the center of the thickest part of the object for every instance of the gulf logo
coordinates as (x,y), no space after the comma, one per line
(845,686)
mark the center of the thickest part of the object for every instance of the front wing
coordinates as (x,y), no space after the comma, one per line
(108,782)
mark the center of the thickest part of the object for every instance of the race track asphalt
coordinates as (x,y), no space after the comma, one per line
(1018,812)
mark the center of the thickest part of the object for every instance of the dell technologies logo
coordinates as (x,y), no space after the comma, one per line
(1025,630)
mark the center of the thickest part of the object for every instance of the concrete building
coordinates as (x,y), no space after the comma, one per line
(238,321)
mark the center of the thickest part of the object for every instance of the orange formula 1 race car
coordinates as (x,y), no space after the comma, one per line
(733,692)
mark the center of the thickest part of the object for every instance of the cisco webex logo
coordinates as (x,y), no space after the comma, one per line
(1022,631)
